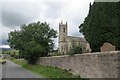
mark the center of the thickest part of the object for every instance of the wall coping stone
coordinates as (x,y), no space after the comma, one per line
(94,53)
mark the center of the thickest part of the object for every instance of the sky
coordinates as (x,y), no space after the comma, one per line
(14,13)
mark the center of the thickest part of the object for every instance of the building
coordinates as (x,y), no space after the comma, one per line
(68,42)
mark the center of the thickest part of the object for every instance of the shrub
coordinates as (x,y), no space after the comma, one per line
(75,50)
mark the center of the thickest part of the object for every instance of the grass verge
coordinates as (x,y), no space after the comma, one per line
(47,71)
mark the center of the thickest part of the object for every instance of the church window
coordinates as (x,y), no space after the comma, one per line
(64,30)
(62,48)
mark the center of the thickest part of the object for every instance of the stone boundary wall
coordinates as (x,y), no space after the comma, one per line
(87,65)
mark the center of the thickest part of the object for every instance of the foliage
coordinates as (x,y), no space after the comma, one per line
(33,40)
(75,50)
(54,53)
(102,25)
(12,53)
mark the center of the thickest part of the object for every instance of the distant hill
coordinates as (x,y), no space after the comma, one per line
(4,49)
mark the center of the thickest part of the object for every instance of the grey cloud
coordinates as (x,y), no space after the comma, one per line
(13,19)
(3,39)
(18,13)
(53,10)
(0,11)
(4,42)
(4,34)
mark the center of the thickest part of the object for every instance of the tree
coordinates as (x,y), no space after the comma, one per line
(102,25)
(33,40)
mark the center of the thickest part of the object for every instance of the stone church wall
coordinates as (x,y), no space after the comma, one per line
(88,65)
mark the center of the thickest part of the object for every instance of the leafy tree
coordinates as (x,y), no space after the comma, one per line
(33,40)
(102,25)
(75,50)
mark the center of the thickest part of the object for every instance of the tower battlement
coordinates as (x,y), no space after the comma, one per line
(61,23)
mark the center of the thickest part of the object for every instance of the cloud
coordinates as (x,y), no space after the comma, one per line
(4,35)
(4,46)
(13,19)
(53,9)
(16,13)
(74,13)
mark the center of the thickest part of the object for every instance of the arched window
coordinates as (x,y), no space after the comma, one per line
(64,30)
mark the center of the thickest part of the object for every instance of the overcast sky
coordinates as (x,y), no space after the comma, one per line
(17,12)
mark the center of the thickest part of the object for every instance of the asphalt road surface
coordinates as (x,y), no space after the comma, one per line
(0,71)
(12,70)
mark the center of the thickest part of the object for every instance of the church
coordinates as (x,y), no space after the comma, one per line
(66,42)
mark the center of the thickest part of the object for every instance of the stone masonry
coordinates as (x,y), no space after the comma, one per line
(87,65)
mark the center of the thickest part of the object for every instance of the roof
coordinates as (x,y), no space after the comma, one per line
(73,38)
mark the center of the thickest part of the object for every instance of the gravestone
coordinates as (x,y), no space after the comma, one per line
(107,47)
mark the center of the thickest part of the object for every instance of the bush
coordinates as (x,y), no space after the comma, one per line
(75,50)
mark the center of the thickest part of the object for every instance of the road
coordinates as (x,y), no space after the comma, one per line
(0,71)
(12,70)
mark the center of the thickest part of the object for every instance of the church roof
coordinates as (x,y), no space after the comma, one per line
(73,38)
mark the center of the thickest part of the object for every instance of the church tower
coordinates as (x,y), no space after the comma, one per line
(62,38)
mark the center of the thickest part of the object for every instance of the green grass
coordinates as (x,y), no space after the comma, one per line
(46,71)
